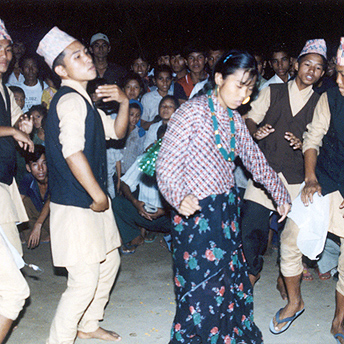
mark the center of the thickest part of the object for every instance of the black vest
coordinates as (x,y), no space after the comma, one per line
(64,187)
(7,145)
(281,157)
(330,162)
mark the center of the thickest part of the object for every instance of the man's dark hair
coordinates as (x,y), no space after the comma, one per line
(161,69)
(16,89)
(33,157)
(277,48)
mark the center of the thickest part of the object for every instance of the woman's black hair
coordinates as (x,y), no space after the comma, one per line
(228,64)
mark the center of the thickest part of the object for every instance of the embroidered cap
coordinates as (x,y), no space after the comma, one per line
(3,32)
(340,53)
(52,45)
(315,46)
(98,36)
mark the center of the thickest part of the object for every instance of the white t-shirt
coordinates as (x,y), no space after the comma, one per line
(33,94)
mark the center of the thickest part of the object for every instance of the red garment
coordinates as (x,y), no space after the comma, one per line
(189,161)
(187,84)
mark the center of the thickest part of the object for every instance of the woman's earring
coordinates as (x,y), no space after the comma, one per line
(246,100)
(216,90)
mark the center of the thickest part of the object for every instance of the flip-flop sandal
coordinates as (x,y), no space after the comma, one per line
(306,275)
(167,242)
(337,336)
(325,276)
(288,321)
(128,249)
(150,237)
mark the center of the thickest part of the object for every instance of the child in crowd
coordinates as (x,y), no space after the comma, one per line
(35,194)
(33,85)
(151,100)
(84,235)
(39,114)
(167,106)
(19,95)
(134,143)
(133,86)
(280,62)
(119,159)
(134,89)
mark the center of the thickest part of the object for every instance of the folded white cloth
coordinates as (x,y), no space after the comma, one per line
(313,221)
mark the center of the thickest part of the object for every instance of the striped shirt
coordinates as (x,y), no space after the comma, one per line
(189,161)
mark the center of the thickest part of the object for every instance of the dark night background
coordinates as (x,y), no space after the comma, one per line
(150,25)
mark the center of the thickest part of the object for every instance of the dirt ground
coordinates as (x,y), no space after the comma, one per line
(142,306)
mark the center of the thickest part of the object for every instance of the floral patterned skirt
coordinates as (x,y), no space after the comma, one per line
(213,291)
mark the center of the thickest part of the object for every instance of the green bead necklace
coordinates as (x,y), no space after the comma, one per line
(227,156)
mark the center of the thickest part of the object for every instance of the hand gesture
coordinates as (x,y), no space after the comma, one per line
(25,124)
(263,132)
(283,210)
(23,140)
(111,93)
(308,191)
(295,142)
(189,205)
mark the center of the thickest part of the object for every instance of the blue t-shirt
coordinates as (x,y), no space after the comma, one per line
(29,187)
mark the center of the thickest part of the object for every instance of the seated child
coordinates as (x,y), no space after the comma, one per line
(121,158)
(19,95)
(133,86)
(39,114)
(133,142)
(34,191)
(168,105)
(134,90)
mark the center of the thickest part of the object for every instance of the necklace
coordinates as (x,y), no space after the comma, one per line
(227,156)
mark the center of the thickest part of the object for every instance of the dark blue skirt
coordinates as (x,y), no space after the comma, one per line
(213,292)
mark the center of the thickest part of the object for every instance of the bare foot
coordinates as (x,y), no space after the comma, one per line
(102,334)
(281,287)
